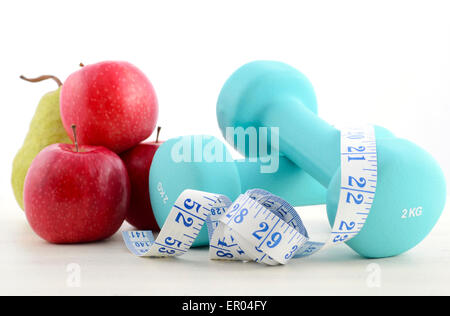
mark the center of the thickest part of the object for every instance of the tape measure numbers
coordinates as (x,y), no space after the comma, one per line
(259,226)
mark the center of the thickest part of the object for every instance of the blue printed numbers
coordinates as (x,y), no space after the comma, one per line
(351,198)
(264,227)
(360,183)
(240,251)
(275,240)
(268,204)
(291,253)
(350,158)
(222,243)
(356,150)
(310,250)
(223,254)
(166,251)
(135,235)
(356,135)
(189,204)
(140,244)
(233,211)
(340,238)
(186,221)
(240,217)
(218,210)
(173,242)
(347,226)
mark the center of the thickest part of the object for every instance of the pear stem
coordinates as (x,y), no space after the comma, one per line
(74,130)
(157,133)
(42,78)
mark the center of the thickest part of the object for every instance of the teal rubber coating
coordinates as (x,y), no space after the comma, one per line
(170,175)
(253,87)
(290,182)
(411,188)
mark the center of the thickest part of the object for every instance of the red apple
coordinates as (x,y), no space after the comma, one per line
(113,104)
(76,196)
(138,161)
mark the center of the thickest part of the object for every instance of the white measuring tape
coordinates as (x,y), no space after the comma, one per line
(259,226)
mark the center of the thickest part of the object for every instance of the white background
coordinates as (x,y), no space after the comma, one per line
(381,62)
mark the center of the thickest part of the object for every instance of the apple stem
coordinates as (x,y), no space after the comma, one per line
(42,78)
(74,130)
(157,133)
(81,65)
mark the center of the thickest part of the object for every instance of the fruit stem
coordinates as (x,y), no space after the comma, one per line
(42,78)
(81,65)
(157,133)
(74,130)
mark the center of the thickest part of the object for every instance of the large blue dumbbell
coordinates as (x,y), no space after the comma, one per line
(272,94)
(203,163)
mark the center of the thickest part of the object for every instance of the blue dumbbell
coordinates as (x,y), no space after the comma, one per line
(188,163)
(411,189)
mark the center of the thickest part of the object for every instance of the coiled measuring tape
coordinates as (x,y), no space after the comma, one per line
(259,226)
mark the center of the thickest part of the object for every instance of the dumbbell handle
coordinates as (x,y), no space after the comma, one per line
(305,138)
(289,182)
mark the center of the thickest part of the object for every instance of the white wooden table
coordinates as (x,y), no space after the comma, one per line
(31,266)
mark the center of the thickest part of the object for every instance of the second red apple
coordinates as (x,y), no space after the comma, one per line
(138,161)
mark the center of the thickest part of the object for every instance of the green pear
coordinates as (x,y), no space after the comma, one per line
(46,128)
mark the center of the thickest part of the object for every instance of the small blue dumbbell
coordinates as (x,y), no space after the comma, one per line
(411,189)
